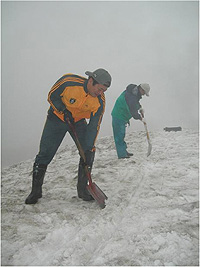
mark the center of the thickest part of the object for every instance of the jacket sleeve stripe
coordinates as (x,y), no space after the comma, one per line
(57,84)
(100,117)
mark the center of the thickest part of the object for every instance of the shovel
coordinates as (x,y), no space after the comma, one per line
(148,139)
(92,188)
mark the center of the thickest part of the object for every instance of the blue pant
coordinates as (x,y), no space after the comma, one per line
(119,132)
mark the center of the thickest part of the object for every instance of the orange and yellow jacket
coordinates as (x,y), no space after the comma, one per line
(70,92)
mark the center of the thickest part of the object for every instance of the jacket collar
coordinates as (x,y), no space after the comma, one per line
(139,94)
(85,86)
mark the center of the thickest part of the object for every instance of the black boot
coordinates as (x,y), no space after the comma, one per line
(37,182)
(82,184)
(129,154)
(82,178)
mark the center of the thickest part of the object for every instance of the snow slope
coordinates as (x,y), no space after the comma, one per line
(151,217)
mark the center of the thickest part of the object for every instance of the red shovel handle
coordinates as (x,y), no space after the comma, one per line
(81,152)
(93,189)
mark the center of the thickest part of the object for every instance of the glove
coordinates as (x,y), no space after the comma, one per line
(143,120)
(68,114)
(89,155)
(141,111)
(89,158)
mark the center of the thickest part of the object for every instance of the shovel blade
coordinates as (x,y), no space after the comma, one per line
(97,194)
(149,149)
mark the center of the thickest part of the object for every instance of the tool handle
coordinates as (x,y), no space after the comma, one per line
(81,151)
(145,126)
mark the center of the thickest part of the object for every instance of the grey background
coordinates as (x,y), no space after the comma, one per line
(136,41)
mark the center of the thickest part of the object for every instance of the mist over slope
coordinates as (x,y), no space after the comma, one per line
(151,215)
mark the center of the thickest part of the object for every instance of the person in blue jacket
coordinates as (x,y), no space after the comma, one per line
(127,106)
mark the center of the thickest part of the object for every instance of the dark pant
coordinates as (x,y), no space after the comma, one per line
(53,134)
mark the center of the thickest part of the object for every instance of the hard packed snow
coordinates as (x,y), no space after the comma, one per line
(150,218)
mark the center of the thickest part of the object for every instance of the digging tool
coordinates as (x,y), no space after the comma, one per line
(93,188)
(148,139)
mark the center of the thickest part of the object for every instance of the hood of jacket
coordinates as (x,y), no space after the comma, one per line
(133,89)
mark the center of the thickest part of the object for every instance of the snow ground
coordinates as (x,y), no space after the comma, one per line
(151,217)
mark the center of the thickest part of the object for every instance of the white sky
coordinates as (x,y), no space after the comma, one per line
(136,41)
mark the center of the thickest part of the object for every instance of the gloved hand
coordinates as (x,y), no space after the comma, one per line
(89,156)
(141,111)
(68,114)
(143,120)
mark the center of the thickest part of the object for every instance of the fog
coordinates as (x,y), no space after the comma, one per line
(137,42)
